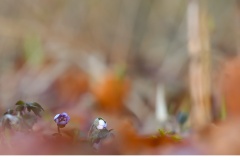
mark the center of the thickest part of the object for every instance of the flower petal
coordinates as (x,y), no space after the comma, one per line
(56,120)
(56,116)
(68,118)
(99,127)
(105,125)
(62,122)
(64,114)
(101,122)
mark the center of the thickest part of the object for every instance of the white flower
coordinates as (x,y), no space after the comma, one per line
(101,124)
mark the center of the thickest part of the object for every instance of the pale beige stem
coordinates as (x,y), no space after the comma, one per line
(199,67)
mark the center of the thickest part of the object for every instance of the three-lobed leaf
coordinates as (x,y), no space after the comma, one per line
(34,107)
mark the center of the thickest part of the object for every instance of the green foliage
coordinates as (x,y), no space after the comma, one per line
(33,50)
(177,137)
(20,102)
(18,119)
(164,133)
(97,135)
(30,106)
(223,113)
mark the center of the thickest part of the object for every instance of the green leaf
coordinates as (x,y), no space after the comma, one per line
(103,133)
(20,102)
(154,137)
(29,104)
(223,113)
(20,108)
(37,105)
(162,132)
(177,137)
(36,111)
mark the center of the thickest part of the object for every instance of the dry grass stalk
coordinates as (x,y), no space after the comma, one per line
(199,69)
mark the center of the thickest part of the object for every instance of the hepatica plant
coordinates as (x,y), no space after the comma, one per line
(21,118)
(62,120)
(98,132)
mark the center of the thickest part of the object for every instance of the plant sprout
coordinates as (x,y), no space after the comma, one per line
(98,132)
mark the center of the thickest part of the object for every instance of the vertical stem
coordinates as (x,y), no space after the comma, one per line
(199,69)
(161,108)
(59,130)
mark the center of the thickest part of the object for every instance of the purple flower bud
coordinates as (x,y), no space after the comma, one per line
(61,119)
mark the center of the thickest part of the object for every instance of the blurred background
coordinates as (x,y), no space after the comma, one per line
(151,63)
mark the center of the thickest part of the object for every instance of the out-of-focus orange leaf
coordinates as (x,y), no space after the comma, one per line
(130,142)
(110,93)
(71,85)
(229,83)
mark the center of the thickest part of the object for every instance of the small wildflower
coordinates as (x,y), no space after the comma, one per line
(11,122)
(98,132)
(101,123)
(61,119)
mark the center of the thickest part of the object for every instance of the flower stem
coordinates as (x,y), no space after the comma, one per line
(59,130)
